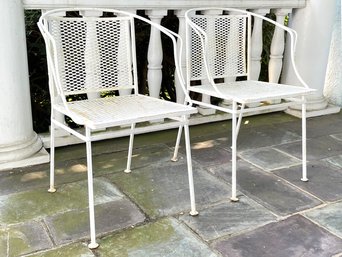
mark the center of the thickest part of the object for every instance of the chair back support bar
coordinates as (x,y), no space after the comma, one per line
(224,38)
(92,54)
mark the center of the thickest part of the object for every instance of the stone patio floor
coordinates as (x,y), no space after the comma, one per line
(145,213)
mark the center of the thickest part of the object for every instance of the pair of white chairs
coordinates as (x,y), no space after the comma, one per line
(95,54)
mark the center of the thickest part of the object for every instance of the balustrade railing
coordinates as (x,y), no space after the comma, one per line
(157,10)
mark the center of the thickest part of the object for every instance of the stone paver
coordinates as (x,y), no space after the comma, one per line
(163,189)
(269,158)
(261,136)
(145,213)
(295,237)
(166,237)
(24,238)
(324,182)
(38,203)
(329,217)
(317,148)
(267,189)
(111,216)
(228,218)
(334,161)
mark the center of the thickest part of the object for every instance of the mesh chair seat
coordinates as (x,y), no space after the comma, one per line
(122,110)
(250,91)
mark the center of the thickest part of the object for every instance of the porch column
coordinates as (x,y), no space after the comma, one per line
(333,81)
(19,144)
(314,25)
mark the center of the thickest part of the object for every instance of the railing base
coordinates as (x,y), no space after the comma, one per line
(330,109)
(39,158)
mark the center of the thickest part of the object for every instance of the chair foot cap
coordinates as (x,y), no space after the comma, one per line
(194,213)
(93,245)
(304,179)
(127,171)
(52,190)
(174,159)
(234,199)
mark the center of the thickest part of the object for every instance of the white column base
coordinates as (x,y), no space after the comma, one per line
(39,158)
(329,109)
(316,106)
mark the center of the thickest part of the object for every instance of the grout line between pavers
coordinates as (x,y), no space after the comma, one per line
(48,232)
(321,226)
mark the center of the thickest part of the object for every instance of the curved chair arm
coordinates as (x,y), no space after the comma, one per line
(172,35)
(204,38)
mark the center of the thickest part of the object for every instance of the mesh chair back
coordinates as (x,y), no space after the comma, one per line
(92,54)
(224,46)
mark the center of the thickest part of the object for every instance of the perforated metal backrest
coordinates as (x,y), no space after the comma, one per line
(226,46)
(93,54)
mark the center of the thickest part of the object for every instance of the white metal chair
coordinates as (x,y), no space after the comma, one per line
(93,53)
(218,59)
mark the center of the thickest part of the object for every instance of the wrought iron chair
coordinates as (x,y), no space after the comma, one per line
(218,64)
(95,53)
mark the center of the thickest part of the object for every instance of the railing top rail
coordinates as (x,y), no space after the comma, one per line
(160,4)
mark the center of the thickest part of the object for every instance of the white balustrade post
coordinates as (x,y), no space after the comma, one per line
(256,48)
(181,32)
(122,44)
(314,25)
(257,45)
(277,49)
(155,54)
(19,144)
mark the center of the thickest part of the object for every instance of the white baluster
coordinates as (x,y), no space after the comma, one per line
(256,48)
(277,49)
(124,91)
(155,54)
(181,31)
(256,45)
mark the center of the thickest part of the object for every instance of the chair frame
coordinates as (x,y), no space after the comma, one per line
(237,108)
(59,105)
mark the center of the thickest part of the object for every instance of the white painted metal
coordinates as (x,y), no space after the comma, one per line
(209,58)
(130,149)
(83,56)
(304,165)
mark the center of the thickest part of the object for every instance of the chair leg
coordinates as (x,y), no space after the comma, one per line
(93,243)
(234,139)
(193,211)
(175,153)
(130,149)
(52,188)
(304,168)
